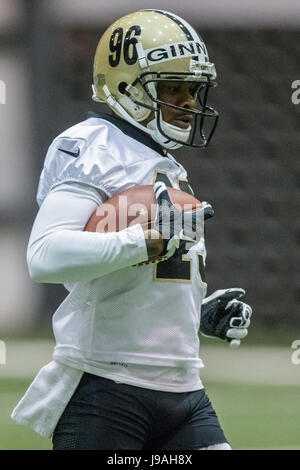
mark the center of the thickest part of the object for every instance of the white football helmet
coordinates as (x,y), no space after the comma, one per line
(140,50)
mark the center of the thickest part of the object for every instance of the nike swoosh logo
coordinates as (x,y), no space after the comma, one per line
(73,154)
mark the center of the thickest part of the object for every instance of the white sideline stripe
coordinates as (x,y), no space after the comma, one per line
(250,365)
(24,358)
(246,365)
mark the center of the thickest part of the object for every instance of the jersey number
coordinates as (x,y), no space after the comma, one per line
(128,46)
(177,268)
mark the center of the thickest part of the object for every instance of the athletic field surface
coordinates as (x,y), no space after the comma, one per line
(254,390)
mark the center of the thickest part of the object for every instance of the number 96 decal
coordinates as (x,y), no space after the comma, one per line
(128,47)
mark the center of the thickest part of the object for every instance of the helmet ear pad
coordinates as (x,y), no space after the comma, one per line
(139,113)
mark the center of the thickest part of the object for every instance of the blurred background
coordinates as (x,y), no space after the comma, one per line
(250,172)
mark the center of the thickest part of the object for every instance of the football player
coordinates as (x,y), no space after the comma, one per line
(125,368)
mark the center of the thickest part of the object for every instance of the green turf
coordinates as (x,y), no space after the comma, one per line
(12,435)
(256,416)
(252,416)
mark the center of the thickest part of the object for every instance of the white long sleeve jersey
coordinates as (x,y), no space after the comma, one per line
(137,325)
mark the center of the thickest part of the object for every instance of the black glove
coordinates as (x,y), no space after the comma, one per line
(178,227)
(225,317)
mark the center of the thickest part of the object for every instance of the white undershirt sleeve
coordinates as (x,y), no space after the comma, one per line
(59,251)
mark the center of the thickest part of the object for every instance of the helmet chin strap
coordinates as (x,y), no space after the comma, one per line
(170,130)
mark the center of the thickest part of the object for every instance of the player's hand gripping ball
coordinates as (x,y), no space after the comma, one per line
(174,215)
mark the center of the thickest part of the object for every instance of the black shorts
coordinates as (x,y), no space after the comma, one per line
(104,415)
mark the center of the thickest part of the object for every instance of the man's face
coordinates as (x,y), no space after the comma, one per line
(183,94)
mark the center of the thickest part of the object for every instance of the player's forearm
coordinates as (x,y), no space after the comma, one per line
(71,256)
(59,251)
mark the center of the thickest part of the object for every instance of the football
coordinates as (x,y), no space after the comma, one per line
(136,205)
